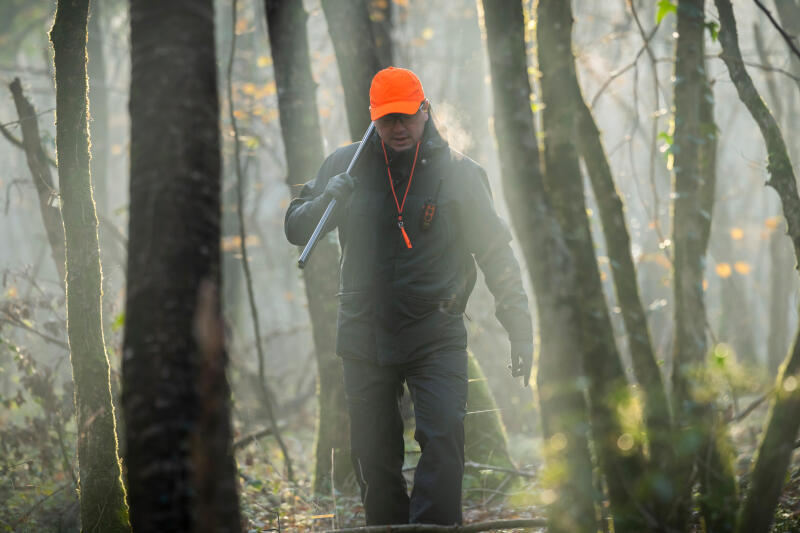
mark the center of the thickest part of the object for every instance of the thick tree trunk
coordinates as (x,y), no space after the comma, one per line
(102,494)
(39,166)
(563,409)
(181,472)
(620,457)
(302,140)
(354,44)
(777,443)
(702,440)
(380,13)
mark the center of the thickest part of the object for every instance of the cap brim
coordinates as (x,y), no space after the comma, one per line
(406,108)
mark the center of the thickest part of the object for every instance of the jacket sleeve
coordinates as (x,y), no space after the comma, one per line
(487,238)
(305,211)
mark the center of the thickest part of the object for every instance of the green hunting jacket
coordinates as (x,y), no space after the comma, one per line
(398,303)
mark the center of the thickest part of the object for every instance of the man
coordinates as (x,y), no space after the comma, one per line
(413,219)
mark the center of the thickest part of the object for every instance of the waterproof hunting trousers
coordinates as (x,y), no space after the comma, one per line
(438,386)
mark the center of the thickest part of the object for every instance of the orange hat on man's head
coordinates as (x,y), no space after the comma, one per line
(395,90)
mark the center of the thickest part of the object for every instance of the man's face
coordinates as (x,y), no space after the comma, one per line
(402,132)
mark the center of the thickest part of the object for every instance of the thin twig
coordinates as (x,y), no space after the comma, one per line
(750,408)
(520,473)
(268,397)
(13,122)
(786,37)
(16,322)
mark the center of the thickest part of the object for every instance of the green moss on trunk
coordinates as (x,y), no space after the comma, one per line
(102,495)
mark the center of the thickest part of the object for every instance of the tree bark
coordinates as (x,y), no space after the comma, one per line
(612,215)
(181,472)
(380,13)
(354,44)
(620,457)
(102,494)
(42,178)
(562,405)
(781,290)
(777,442)
(701,440)
(302,140)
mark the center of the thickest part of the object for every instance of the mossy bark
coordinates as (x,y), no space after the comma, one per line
(102,494)
(777,442)
(357,56)
(568,464)
(621,459)
(302,139)
(181,471)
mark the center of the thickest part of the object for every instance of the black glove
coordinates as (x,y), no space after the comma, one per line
(521,360)
(339,187)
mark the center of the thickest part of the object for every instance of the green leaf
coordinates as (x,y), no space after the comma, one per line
(119,322)
(713,29)
(665,7)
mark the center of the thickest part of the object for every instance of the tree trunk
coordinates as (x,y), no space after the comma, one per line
(701,441)
(302,140)
(777,442)
(354,44)
(380,13)
(181,472)
(39,166)
(563,409)
(102,494)
(620,457)
(781,292)
(648,375)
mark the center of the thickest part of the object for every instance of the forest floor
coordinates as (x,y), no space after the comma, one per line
(40,500)
(270,503)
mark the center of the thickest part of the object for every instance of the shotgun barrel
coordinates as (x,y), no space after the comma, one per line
(312,242)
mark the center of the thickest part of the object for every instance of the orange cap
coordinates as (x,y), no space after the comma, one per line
(395,90)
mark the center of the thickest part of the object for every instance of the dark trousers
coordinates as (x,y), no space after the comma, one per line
(438,385)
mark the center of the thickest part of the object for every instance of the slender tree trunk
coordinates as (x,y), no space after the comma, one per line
(620,457)
(777,442)
(701,441)
(102,494)
(354,44)
(781,291)
(181,472)
(563,409)
(656,405)
(39,166)
(302,140)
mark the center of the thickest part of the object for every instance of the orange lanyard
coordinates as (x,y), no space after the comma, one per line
(400,205)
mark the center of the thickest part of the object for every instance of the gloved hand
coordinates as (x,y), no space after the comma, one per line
(339,187)
(521,360)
